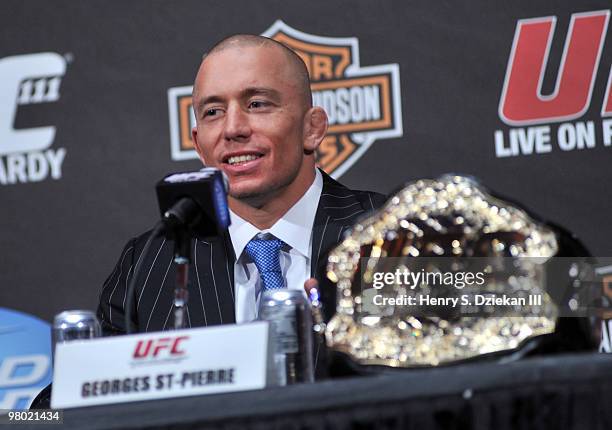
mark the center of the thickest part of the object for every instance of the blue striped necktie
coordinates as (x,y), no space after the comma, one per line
(265,253)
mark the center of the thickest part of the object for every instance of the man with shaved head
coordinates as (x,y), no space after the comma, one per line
(255,121)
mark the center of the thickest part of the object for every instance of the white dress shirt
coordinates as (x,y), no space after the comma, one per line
(295,229)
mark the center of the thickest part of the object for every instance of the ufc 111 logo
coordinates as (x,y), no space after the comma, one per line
(25,154)
(523,104)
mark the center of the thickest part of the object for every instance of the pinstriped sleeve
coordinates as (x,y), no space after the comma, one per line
(111,307)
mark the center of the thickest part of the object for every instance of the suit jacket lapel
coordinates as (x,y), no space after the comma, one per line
(338,209)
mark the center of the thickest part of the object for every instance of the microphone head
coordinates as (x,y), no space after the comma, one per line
(207,188)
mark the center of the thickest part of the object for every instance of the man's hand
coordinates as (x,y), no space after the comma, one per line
(309,284)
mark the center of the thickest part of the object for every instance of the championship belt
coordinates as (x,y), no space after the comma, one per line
(445,226)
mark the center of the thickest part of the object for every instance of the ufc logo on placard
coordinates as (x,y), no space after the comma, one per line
(522,101)
(154,348)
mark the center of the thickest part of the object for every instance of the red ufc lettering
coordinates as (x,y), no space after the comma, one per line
(522,101)
(153,347)
(175,350)
(161,344)
(142,348)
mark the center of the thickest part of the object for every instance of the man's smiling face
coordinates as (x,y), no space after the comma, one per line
(251,113)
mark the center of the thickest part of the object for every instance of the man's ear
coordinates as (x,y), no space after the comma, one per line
(315,128)
(194,139)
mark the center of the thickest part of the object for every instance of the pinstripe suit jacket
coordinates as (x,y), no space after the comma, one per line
(211,274)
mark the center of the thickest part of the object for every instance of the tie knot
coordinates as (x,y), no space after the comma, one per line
(265,253)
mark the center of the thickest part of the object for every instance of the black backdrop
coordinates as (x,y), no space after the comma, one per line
(60,237)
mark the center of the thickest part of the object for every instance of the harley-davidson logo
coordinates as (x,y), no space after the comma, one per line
(363,103)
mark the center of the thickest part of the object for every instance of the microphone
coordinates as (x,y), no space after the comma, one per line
(194,201)
(192,204)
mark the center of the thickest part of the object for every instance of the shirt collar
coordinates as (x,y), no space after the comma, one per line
(294,228)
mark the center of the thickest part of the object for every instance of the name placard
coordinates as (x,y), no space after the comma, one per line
(161,365)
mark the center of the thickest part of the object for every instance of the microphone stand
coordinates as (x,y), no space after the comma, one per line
(182,258)
(179,219)
(176,223)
